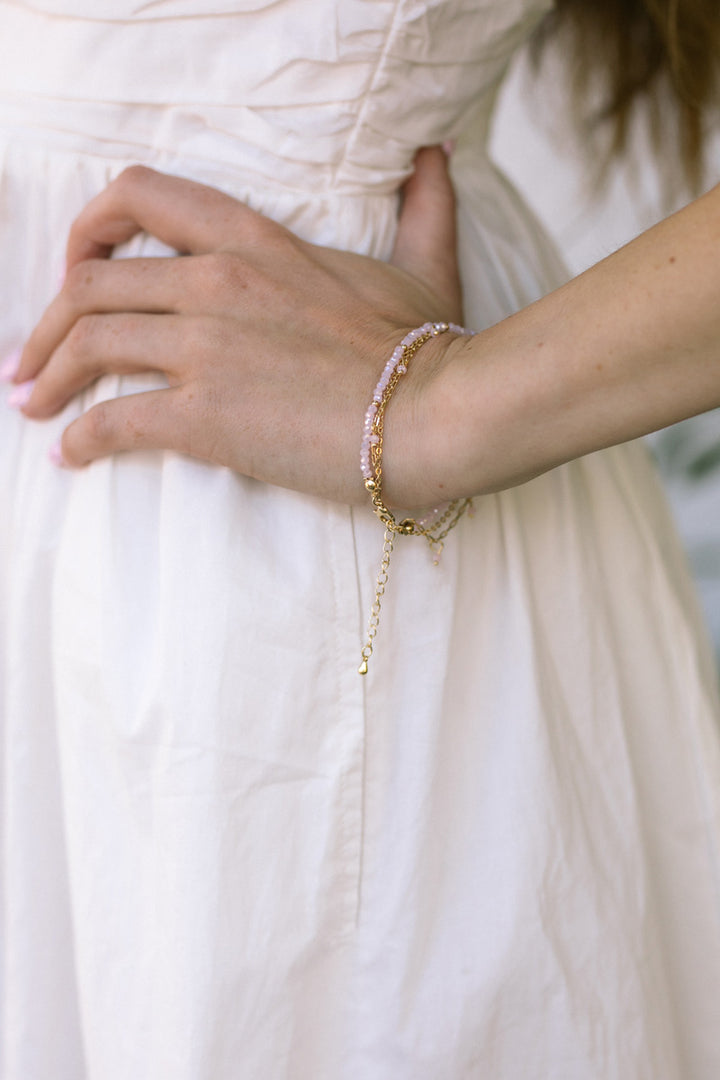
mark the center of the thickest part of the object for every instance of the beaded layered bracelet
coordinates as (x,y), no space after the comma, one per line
(433,526)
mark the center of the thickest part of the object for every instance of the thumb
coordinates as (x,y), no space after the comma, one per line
(426,242)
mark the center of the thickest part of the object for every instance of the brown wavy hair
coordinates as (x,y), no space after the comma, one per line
(657,59)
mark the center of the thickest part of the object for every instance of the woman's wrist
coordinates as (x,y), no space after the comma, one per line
(421,465)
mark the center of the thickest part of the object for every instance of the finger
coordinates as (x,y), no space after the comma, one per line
(101,286)
(186,216)
(426,242)
(154,420)
(120,344)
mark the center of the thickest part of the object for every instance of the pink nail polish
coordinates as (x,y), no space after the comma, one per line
(21,394)
(10,365)
(449,147)
(56,455)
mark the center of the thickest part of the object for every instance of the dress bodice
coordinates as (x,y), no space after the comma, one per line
(349,88)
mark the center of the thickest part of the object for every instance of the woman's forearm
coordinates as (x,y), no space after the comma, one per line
(629,346)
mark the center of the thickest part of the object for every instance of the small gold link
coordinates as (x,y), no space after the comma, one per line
(435,532)
(374,620)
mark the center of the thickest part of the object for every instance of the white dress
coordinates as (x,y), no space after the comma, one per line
(226,856)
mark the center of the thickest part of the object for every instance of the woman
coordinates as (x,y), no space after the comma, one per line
(227,854)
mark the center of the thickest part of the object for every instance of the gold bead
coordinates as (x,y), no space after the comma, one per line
(363,669)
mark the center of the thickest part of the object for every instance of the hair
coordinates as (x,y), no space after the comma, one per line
(655,59)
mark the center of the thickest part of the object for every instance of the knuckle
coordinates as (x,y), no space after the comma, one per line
(256,229)
(267,238)
(205,340)
(198,410)
(98,423)
(278,240)
(81,340)
(222,274)
(79,281)
(132,176)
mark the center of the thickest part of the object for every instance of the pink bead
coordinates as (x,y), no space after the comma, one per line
(396,366)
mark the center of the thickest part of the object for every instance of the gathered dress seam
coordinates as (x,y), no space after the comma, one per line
(367,95)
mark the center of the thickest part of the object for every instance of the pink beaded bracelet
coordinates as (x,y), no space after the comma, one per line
(434,526)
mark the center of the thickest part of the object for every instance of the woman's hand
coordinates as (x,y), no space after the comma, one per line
(271,346)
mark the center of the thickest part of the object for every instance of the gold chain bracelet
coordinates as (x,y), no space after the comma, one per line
(436,525)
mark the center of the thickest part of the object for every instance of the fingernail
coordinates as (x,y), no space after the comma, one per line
(61,278)
(10,364)
(21,394)
(56,455)
(449,147)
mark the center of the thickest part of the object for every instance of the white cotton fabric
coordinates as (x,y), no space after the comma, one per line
(225,855)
